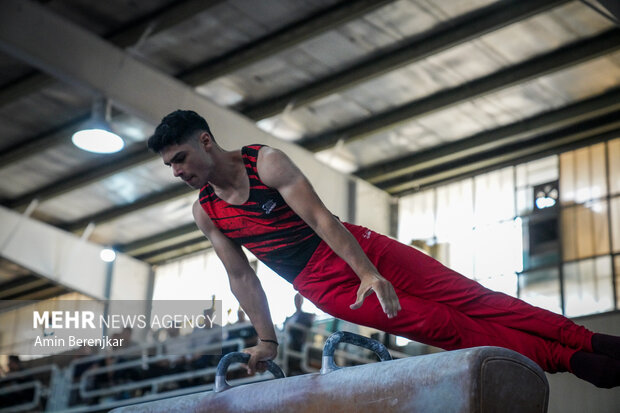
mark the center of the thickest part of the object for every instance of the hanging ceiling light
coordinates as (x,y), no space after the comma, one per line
(107,255)
(97,135)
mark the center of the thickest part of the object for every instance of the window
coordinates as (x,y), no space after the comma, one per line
(547,231)
(585,230)
(541,288)
(583,176)
(587,286)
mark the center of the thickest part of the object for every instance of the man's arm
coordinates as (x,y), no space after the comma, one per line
(245,285)
(278,171)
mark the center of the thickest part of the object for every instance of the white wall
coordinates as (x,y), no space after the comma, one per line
(52,253)
(372,207)
(130,279)
(66,259)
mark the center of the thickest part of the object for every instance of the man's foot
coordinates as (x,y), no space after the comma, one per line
(607,345)
(598,369)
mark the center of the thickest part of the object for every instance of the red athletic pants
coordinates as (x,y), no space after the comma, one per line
(440,307)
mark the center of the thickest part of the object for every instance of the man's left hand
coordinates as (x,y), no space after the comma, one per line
(385,293)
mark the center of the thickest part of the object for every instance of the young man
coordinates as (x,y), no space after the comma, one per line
(257,197)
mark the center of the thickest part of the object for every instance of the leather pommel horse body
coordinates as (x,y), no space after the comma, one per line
(480,380)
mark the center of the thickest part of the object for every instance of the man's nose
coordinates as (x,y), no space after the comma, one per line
(177,171)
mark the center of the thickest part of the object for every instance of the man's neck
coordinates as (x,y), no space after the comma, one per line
(230,175)
(231,182)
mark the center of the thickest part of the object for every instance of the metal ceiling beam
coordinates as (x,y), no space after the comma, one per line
(23,86)
(566,56)
(485,167)
(42,293)
(20,285)
(588,108)
(155,22)
(596,129)
(91,63)
(613,6)
(100,169)
(175,251)
(136,88)
(47,139)
(452,33)
(56,135)
(170,16)
(445,36)
(175,191)
(280,40)
(141,245)
(564,116)
(29,287)
(159,21)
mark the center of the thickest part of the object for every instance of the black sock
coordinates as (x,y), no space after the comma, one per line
(607,345)
(600,370)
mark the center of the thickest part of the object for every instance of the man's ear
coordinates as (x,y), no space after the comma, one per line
(205,139)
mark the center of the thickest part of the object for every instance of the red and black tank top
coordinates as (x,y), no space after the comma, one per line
(264,224)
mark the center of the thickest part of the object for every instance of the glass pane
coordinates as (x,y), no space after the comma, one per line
(459,250)
(599,171)
(506,284)
(521,176)
(584,236)
(531,174)
(567,178)
(582,175)
(588,286)
(172,279)
(498,249)
(617,265)
(613,149)
(455,212)
(600,226)
(590,180)
(525,201)
(416,217)
(615,223)
(537,172)
(569,233)
(585,230)
(494,196)
(541,288)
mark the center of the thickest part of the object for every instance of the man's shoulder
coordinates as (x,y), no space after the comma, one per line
(253,149)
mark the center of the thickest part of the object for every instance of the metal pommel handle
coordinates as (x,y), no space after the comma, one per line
(237,357)
(345,337)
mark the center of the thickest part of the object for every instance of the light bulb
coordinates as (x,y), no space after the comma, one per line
(98,141)
(107,255)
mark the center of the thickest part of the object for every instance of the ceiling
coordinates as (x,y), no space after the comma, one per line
(405,94)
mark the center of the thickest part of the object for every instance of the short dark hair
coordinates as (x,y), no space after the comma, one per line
(177,128)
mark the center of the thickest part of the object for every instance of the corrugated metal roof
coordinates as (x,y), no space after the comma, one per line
(38,112)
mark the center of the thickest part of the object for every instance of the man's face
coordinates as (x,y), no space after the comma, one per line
(299,300)
(13,365)
(188,162)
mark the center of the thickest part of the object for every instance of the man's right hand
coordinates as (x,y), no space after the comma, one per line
(259,354)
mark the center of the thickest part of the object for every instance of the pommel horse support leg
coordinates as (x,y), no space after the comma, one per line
(480,380)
